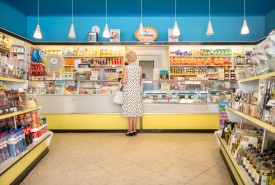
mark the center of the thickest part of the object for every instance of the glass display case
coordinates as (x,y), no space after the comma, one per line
(184,91)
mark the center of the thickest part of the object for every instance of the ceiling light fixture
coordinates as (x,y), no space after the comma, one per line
(37,33)
(106,32)
(245,29)
(72,32)
(176,30)
(141,30)
(209,27)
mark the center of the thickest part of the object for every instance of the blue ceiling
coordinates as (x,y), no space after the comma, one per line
(150,7)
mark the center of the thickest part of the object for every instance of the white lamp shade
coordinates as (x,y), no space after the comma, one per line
(140,30)
(245,29)
(176,30)
(37,34)
(209,29)
(106,32)
(72,32)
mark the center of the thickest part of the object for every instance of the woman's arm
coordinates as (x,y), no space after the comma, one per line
(125,75)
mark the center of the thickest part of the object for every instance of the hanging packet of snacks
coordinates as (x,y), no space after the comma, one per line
(272,36)
(269,47)
(258,55)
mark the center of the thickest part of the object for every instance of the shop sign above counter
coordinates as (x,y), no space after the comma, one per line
(150,34)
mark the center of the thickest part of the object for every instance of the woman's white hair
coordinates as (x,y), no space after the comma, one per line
(131,56)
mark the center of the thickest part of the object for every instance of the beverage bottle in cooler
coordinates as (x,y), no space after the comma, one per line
(12,143)
(30,133)
(251,152)
(258,160)
(7,145)
(2,153)
(252,158)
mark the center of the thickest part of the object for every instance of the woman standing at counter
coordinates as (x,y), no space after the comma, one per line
(132,101)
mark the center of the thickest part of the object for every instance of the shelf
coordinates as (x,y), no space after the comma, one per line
(254,120)
(238,171)
(195,65)
(109,56)
(68,66)
(190,56)
(106,65)
(12,80)
(187,74)
(98,81)
(258,77)
(18,113)
(19,52)
(12,160)
(51,80)
(6,49)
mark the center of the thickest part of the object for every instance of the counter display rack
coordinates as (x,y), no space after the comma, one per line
(22,156)
(238,173)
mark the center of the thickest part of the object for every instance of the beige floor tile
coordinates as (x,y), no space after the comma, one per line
(57,179)
(180,173)
(133,173)
(114,164)
(85,173)
(209,179)
(156,179)
(220,171)
(107,179)
(148,158)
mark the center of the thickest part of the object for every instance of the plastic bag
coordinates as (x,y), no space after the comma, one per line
(118,98)
(269,47)
(272,36)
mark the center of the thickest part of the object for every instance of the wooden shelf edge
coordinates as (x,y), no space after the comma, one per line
(12,80)
(18,112)
(258,77)
(254,120)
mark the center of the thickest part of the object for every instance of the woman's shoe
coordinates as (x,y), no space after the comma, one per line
(129,133)
(135,133)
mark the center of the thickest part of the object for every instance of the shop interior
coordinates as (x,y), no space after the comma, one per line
(207,88)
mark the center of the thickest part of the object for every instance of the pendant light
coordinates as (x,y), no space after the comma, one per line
(140,30)
(37,33)
(209,27)
(72,32)
(106,32)
(245,29)
(176,30)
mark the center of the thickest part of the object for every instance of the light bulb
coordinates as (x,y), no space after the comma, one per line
(37,34)
(176,31)
(72,32)
(106,32)
(141,30)
(209,29)
(245,29)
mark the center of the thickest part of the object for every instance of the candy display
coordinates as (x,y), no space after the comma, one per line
(80,51)
(13,68)
(202,52)
(176,60)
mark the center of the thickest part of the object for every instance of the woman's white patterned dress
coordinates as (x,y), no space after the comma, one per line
(132,100)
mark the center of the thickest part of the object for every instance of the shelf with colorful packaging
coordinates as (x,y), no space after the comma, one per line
(18,117)
(211,62)
(251,106)
(99,67)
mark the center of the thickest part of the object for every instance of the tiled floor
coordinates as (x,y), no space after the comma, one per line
(146,159)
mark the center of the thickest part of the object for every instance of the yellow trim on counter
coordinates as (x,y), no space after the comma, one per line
(233,165)
(254,120)
(116,122)
(12,80)
(258,77)
(9,176)
(181,121)
(86,122)
(18,112)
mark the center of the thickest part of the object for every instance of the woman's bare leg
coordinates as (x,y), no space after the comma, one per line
(134,126)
